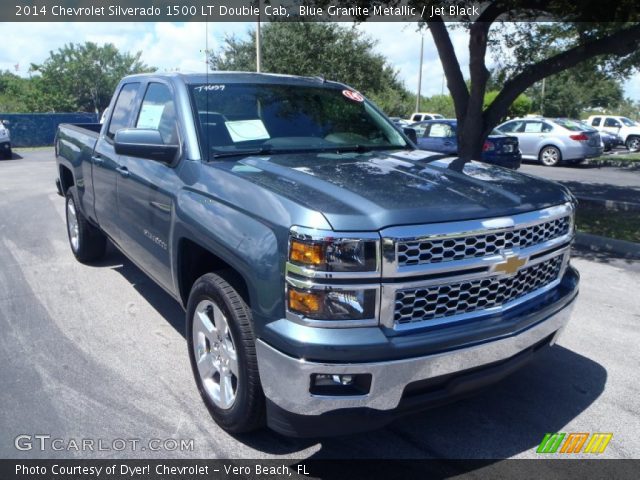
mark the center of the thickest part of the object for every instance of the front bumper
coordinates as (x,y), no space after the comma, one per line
(286,379)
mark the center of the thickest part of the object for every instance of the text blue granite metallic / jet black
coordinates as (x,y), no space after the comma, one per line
(333,275)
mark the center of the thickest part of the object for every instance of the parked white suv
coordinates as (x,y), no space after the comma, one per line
(627,129)
(5,141)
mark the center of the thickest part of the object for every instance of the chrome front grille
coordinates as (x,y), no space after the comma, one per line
(437,250)
(446,272)
(445,300)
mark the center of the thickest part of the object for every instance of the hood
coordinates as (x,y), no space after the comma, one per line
(375,190)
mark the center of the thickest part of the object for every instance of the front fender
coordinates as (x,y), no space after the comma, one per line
(248,245)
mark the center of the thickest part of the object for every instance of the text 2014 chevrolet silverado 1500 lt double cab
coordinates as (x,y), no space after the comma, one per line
(333,275)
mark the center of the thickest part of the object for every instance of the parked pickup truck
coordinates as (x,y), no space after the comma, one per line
(333,276)
(627,129)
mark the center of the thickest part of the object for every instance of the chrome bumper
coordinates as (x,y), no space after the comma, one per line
(286,380)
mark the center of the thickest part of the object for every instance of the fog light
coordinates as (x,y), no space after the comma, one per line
(340,384)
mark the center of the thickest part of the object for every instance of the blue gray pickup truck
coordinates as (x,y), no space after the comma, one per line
(334,276)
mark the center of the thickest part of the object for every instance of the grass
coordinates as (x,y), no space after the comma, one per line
(619,224)
(629,157)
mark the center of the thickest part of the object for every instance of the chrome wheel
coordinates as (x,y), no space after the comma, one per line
(550,156)
(633,144)
(72,225)
(215,354)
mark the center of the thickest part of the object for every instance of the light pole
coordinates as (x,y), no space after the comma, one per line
(258,50)
(420,73)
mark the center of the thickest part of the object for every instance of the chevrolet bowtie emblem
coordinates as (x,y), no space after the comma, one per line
(511,265)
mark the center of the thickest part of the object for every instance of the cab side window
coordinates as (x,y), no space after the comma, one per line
(611,122)
(123,108)
(595,122)
(158,113)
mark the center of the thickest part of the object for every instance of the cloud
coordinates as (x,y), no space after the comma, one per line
(180,46)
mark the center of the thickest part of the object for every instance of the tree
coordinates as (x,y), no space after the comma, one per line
(519,108)
(83,77)
(330,50)
(572,92)
(533,51)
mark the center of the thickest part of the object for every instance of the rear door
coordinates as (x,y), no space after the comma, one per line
(532,136)
(105,161)
(146,188)
(612,125)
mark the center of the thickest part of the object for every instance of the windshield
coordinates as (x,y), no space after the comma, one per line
(628,122)
(237,118)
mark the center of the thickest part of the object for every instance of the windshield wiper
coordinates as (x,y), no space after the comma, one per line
(264,150)
(354,148)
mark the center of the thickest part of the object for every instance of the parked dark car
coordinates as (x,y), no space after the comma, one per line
(441,136)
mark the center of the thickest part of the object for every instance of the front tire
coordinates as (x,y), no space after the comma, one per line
(86,241)
(550,156)
(223,356)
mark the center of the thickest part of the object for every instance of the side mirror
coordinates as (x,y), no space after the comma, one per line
(144,143)
(411,133)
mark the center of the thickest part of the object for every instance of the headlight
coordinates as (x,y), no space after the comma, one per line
(332,304)
(333,251)
(330,278)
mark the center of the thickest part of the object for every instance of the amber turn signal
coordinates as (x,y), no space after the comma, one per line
(303,302)
(306,253)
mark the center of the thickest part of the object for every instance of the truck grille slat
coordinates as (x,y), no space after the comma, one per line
(438,250)
(432,302)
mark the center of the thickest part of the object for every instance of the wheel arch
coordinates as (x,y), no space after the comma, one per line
(66,178)
(194,260)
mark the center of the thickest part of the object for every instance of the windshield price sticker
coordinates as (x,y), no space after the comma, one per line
(351,95)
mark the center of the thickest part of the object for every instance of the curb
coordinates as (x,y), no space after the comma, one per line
(608,204)
(597,243)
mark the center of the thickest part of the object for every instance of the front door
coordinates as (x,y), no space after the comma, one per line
(145,188)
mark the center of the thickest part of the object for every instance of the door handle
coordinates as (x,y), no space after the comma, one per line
(447,144)
(97,159)
(124,171)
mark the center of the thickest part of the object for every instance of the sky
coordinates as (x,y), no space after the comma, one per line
(180,46)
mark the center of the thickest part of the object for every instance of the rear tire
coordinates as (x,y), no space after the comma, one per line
(633,144)
(8,154)
(87,242)
(550,156)
(223,354)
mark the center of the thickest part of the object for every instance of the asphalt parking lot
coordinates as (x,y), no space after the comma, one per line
(590,181)
(99,352)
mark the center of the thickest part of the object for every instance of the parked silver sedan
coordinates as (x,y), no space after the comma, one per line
(551,141)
